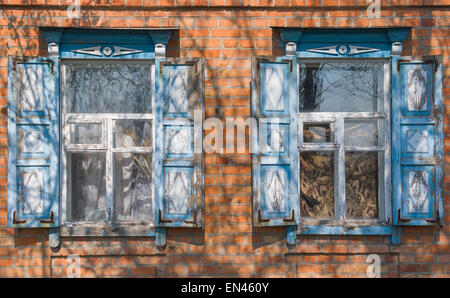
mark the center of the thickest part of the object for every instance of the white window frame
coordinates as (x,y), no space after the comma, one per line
(108,121)
(384,191)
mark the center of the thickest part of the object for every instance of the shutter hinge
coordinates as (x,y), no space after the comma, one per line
(400,61)
(50,221)
(400,218)
(432,61)
(290,64)
(260,219)
(437,220)
(161,220)
(194,220)
(292,219)
(259,61)
(17,222)
(51,64)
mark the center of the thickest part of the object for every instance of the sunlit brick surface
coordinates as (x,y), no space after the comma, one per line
(227,33)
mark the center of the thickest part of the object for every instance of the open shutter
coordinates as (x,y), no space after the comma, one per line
(178,139)
(33,143)
(417,141)
(275,162)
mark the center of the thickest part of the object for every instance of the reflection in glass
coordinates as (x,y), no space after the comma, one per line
(361,184)
(133,133)
(132,182)
(361,133)
(88,192)
(317,184)
(85,133)
(316,133)
(108,87)
(341,87)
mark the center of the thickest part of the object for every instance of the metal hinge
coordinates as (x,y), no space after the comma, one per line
(161,220)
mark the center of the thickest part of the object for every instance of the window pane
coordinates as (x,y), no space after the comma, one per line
(132,183)
(108,87)
(86,133)
(133,133)
(361,184)
(88,194)
(316,133)
(341,87)
(362,132)
(317,184)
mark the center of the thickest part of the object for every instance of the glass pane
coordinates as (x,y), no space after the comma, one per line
(317,184)
(133,133)
(341,87)
(316,133)
(362,132)
(108,87)
(86,133)
(88,188)
(132,182)
(361,184)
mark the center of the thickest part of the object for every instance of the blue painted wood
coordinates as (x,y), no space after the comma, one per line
(417,135)
(123,36)
(275,169)
(307,39)
(427,210)
(291,234)
(68,51)
(176,198)
(178,169)
(54,239)
(33,163)
(173,135)
(267,137)
(396,236)
(372,35)
(339,230)
(161,237)
(439,103)
(303,53)
(417,141)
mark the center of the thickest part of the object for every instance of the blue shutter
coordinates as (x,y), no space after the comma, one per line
(178,166)
(417,135)
(275,164)
(33,143)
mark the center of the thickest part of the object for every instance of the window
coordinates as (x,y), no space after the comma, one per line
(343,139)
(108,126)
(106,143)
(350,135)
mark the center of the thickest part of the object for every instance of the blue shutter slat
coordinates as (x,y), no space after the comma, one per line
(178,170)
(275,164)
(417,141)
(33,143)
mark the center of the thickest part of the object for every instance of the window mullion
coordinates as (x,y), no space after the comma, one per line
(109,170)
(340,177)
(386,206)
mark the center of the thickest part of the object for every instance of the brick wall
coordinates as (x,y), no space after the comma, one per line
(227,33)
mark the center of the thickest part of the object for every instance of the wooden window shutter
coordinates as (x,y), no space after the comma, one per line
(275,162)
(33,142)
(417,135)
(178,166)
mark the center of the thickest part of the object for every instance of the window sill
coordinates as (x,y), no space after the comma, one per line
(342,230)
(108,231)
